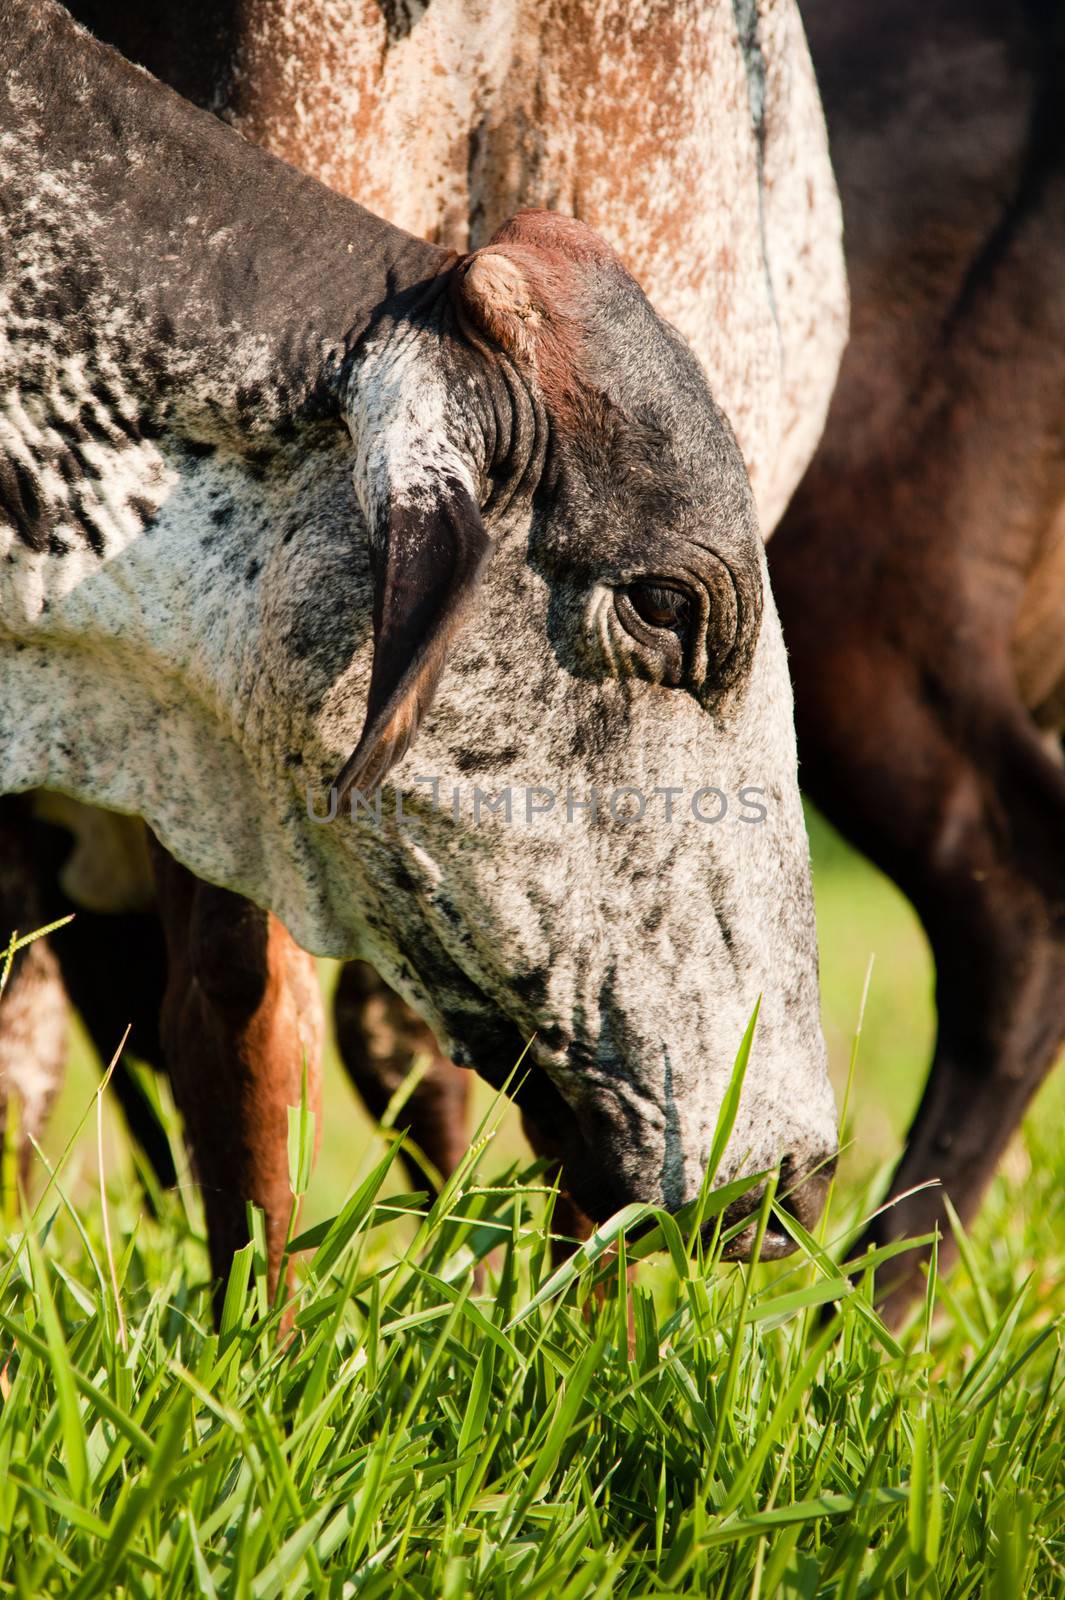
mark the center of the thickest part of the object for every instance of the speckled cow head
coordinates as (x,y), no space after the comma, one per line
(272,472)
(560,513)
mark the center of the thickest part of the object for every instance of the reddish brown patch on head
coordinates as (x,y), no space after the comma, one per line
(529,290)
(553,244)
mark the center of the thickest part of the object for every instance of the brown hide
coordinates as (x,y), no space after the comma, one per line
(919,569)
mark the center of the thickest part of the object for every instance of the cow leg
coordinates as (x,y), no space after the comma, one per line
(993,903)
(379,1038)
(114,972)
(113,966)
(242,1014)
(33,1009)
(951,790)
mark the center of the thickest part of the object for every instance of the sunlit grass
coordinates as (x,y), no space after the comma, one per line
(448,1418)
(431,1429)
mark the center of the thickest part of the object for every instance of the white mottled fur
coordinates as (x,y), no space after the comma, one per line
(172,680)
(157,685)
(409,432)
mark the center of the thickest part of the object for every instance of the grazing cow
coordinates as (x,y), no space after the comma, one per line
(272,469)
(920,571)
(754,280)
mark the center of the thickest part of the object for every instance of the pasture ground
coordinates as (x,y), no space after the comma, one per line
(449,1421)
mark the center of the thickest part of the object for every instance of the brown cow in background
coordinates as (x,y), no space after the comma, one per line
(920,571)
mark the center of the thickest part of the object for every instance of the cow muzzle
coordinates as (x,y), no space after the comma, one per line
(802,1189)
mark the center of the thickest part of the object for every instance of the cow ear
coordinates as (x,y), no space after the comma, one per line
(495,292)
(428,559)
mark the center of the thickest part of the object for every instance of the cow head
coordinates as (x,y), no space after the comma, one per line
(579,694)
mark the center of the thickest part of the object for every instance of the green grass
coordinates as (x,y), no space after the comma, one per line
(446,1421)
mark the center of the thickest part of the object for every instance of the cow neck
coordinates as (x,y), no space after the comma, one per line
(154,234)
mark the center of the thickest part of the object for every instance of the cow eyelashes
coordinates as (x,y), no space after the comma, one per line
(678,631)
(661,606)
(659,619)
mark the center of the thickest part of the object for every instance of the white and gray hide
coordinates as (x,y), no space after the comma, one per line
(279,482)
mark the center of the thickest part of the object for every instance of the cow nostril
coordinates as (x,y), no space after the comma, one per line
(803,1189)
(801,1192)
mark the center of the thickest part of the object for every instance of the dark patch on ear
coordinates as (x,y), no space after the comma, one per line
(23,505)
(426,572)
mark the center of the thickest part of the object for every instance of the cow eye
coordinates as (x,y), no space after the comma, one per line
(660,606)
(673,630)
